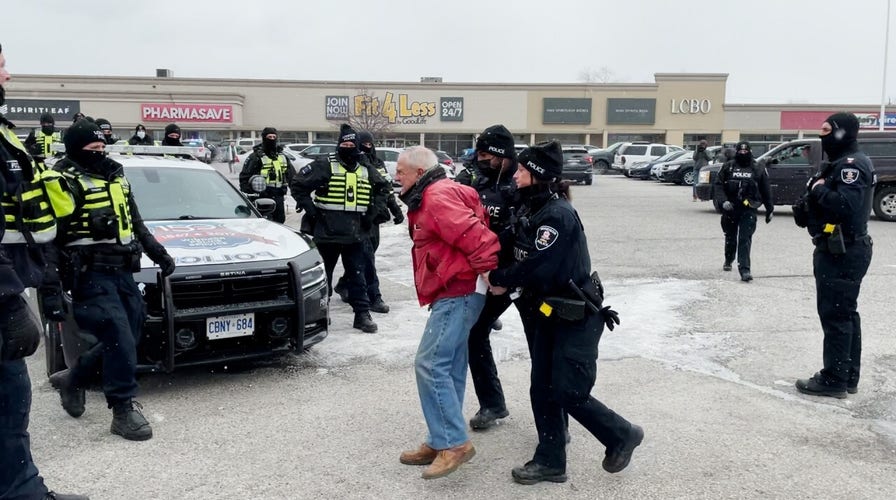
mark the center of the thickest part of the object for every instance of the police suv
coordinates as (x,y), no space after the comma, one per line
(245,287)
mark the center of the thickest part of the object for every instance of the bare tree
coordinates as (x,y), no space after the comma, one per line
(602,75)
(366,113)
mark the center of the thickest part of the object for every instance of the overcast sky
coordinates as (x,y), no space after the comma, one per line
(775,51)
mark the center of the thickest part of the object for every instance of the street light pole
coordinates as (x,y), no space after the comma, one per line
(883,93)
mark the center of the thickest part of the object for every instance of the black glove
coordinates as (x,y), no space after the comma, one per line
(768,217)
(166,264)
(52,304)
(727,206)
(611,317)
(19,330)
(399,217)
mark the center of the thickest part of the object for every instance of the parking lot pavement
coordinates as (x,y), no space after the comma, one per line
(704,362)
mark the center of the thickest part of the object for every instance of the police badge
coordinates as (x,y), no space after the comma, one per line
(849,175)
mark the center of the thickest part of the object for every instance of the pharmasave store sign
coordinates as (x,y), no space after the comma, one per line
(395,108)
(189,113)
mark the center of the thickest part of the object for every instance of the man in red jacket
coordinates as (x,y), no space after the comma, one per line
(453,246)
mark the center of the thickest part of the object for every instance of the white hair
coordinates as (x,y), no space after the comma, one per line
(419,157)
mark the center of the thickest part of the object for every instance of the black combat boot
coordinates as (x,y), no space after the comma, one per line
(378,306)
(72,398)
(726,266)
(486,417)
(128,421)
(497,325)
(818,385)
(618,458)
(532,473)
(52,495)
(341,290)
(746,276)
(364,322)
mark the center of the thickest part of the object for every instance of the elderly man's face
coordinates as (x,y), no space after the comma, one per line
(407,174)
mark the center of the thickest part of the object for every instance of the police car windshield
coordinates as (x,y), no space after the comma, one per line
(165,193)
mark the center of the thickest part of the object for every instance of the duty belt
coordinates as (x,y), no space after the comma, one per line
(821,240)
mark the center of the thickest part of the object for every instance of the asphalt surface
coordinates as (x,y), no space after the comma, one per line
(714,392)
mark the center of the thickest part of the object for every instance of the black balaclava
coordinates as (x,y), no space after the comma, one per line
(843,136)
(743,155)
(171,128)
(82,133)
(106,126)
(701,146)
(77,116)
(269,145)
(47,124)
(349,155)
(365,136)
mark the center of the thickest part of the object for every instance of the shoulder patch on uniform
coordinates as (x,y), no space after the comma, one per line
(545,237)
(305,170)
(849,175)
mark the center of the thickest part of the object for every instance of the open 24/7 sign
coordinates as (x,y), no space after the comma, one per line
(451,109)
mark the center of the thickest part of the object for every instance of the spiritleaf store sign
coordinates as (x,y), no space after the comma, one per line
(190,113)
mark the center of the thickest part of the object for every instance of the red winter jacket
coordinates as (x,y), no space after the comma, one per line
(452,241)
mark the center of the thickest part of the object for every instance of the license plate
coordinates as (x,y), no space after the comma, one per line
(225,327)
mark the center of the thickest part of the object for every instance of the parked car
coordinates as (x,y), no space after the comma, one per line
(790,165)
(390,158)
(204,153)
(641,151)
(642,169)
(577,165)
(445,159)
(297,147)
(603,158)
(246,143)
(314,152)
(681,171)
(245,287)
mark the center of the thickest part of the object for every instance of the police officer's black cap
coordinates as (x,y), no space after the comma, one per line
(172,128)
(496,140)
(544,161)
(848,123)
(347,134)
(47,118)
(103,124)
(268,130)
(82,133)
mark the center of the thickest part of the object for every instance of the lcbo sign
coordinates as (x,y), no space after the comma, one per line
(691,106)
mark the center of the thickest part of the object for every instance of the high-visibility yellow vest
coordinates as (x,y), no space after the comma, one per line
(97,194)
(273,170)
(346,191)
(30,213)
(45,141)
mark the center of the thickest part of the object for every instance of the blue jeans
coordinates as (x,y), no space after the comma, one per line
(441,367)
(18,474)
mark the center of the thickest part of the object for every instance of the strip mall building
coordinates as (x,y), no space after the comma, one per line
(678,108)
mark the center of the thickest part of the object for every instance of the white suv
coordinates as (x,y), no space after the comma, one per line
(641,151)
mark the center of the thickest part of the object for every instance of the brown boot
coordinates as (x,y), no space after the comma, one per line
(447,461)
(424,455)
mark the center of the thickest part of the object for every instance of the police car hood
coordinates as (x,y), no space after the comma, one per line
(222,241)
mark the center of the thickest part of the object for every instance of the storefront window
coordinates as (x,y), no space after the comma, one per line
(561,138)
(657,138)
(691,140)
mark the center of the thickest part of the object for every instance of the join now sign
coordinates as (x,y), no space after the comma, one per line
(214,113)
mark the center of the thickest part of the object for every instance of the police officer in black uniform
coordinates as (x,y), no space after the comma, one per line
(492,177)
(172,135)
(348,195)
(837,206)
(390,211)
(561,304)
(97,250)
(268,161)
(26,221)
(40,142)
(741,186)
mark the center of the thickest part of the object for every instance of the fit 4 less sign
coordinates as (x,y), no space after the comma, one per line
(396,108)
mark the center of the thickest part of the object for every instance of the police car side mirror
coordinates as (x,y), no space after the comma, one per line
(265,205)
(257,183)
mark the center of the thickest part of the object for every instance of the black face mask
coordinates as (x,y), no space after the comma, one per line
(365,148)
(701,148)
(89,160)
(348,155)
(48,129)
(269,145)
(833,145)
(743,159)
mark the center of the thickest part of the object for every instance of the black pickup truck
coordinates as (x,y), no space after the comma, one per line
(790,165)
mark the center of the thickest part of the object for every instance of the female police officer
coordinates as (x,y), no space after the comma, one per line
(563,317)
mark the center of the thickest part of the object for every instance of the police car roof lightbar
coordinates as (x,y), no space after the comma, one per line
(128,149)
